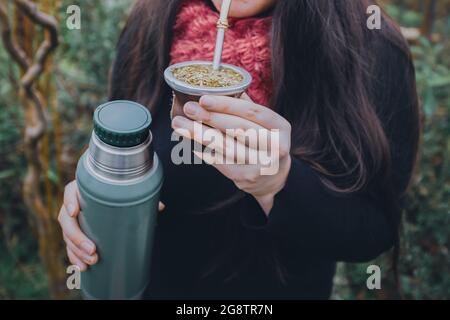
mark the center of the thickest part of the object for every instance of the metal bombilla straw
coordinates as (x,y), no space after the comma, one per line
(222,25)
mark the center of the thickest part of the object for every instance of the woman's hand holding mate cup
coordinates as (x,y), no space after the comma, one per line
(225,114)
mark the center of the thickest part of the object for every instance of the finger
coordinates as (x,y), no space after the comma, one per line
(196,131)
(246,97)
(261,115)
(71,198)
(234,172)
(175,105)
(73,232)
(226,170)
(83,256)
(76,261)
(215,140)
(161,206)
(247,132)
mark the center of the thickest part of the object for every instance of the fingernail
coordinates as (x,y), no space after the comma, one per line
(207,101)
(71,209)
(178,122)
(87,247)
(88,259)
(191,108)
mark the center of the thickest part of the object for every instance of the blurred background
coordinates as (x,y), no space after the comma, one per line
(36,164)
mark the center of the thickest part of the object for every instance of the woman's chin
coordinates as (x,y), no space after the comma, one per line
(246,8)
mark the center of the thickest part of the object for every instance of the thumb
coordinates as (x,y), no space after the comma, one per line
(161,206)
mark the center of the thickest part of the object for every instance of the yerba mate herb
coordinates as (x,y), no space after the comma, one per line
(206,76)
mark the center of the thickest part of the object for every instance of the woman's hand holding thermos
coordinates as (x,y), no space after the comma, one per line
(81,251)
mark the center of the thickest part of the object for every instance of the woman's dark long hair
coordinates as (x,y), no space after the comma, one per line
(321,73)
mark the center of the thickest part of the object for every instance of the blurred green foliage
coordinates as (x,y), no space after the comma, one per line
(425,260)
(81,74)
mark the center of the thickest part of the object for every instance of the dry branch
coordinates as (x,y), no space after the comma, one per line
(32,68)
(15,51)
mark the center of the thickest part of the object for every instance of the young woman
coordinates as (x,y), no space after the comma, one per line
(344,100)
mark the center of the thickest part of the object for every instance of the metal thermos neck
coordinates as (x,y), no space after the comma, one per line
(120,163)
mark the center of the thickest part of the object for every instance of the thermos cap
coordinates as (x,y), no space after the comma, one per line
(122,123)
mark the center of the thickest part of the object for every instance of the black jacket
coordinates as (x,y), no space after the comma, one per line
(237,252)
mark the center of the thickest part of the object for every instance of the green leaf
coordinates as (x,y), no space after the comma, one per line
(430,104)
(7,174)
(439,81)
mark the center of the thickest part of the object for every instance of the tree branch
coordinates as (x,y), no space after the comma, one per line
(32,68)
(50,24)
(13,49)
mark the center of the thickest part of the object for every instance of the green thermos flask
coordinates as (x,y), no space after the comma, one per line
(119,178)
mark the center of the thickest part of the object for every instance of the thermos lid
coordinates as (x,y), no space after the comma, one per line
(122,123)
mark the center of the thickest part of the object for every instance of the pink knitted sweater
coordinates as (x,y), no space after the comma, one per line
(247,44)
